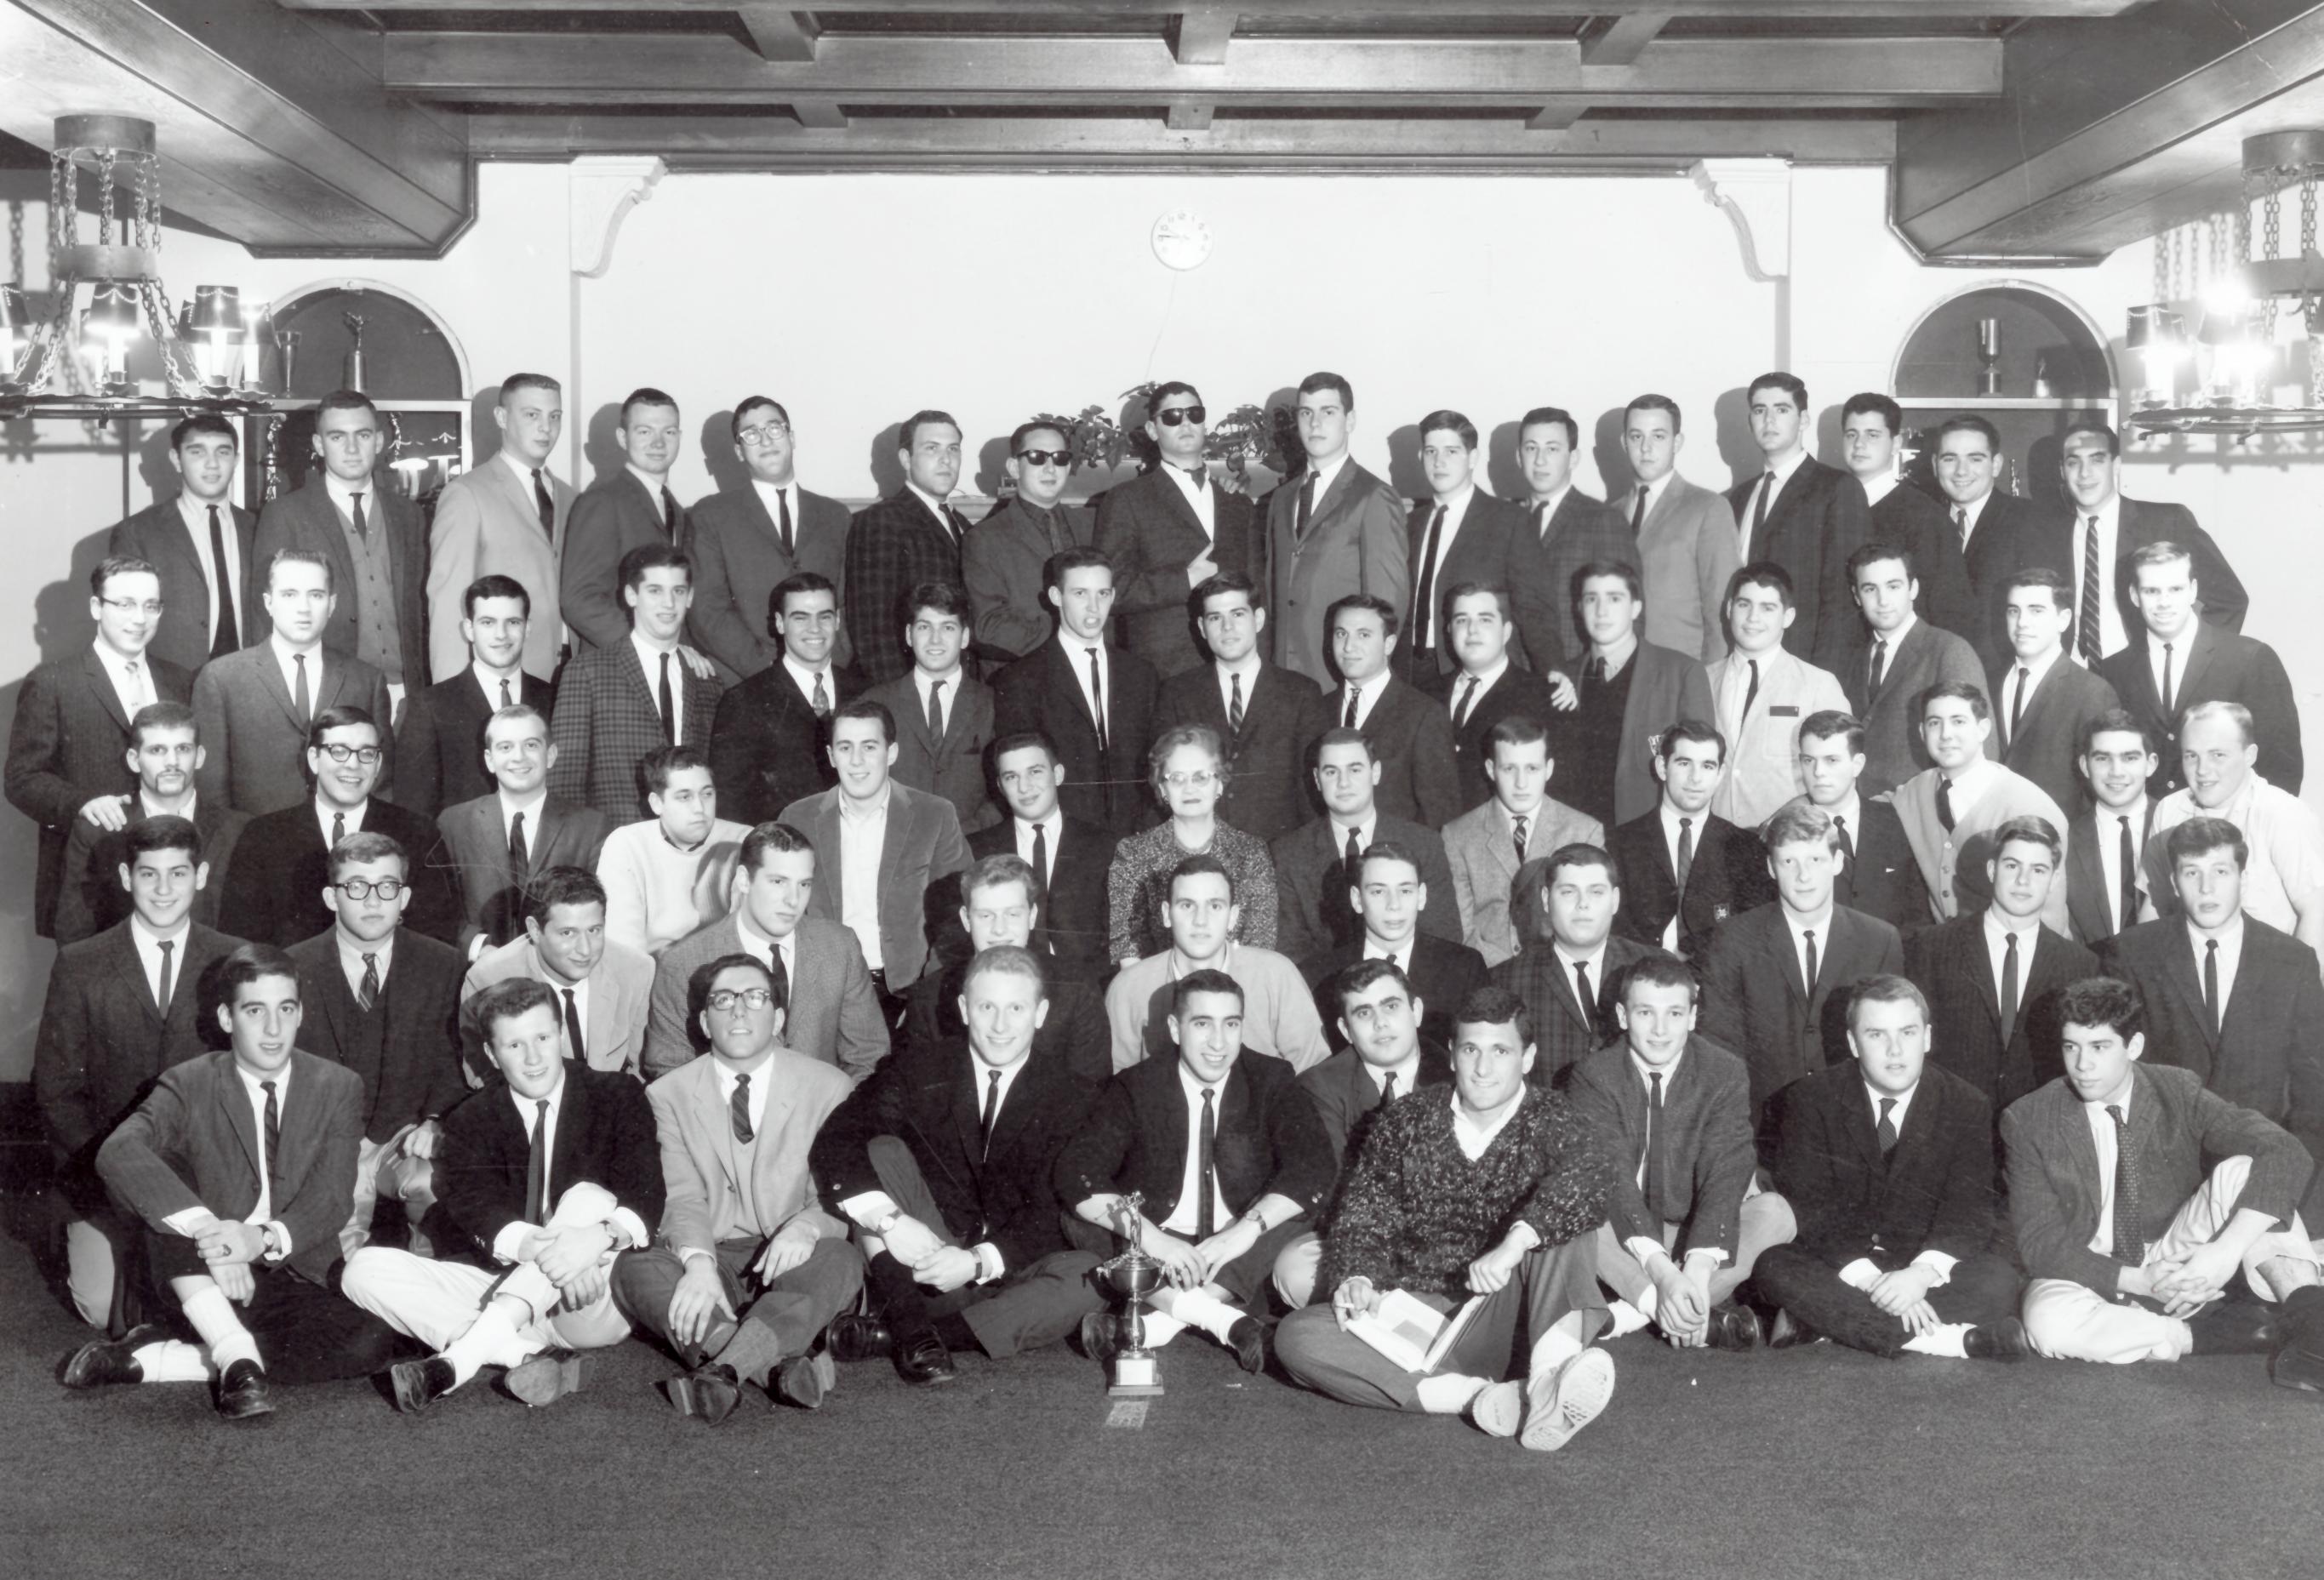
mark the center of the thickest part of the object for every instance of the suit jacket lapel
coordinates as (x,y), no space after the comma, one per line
(634,669)
(2181,968)
(1989,989)
(572,1125)
(234,1097)
(1062,660)
(2202,645)
(126,964)
(968,1103)
(100,683)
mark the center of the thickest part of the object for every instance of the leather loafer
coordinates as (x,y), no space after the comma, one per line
(854,1337)
(544,1378)
(103,1361)
(2235,1327)
(708,1393)
(1997,1341)
(1791,1333)
(1249,1339)
(1101,1336)
(2299,1364)
(806,1379)
(921,1359)
(242,1392)
(1732,1328)
(420,1384)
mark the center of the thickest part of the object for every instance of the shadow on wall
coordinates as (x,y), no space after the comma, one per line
(484,424)
(1403,469)
(1737,450)
(1503,473)
(1613,461)
(601,448)
(719,455)
(992,478)
(887,460)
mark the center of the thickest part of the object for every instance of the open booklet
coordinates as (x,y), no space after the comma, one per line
(1410,1331)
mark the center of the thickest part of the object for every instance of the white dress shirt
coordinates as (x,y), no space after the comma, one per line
(1247,672)
(924,682)
(1456,511)
(863,837)
(1799,927)
(935,506)
(1541,513)
(197,518)
(1474,1138)
(775,496)
(491,685)
(655,488)
(765,949)
(1879,488)
(1486,680)
(1052,828)
(2112,638)
(2230,940)
(1864,1272)
(1326,474)
(1407,1070)
(2102,1136)
(1998,930)
(1184,1220)
(353,815)
(805,677)
(1670,816)
(2007,706)
(1376,948)
(1077,652)
(149,956)
(286,657)
(132,677)
(1368,696)
(2175,649)
(1199,496)
(1971,514)
(1596,962)
(2108,825)
(344,495)
(531,807)
(1655,492)
(649,660)
(1769,486)
(1644,1248)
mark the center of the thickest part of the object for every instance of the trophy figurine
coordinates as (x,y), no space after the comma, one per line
(1133,1276)
(355,371)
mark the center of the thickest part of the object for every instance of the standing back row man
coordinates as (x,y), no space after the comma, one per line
(746,542)
(1335,532)
(1001,557)
(199,543)
(913,535)
(1168,531)
(506,520)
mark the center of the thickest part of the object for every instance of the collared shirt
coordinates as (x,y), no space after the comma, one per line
(148,807)
(354,816)
(935,507)
(756,1103)
(1541,513)
(2176,647)
(254,1088)
(1366,829)
(197,518)
(1247,672)
(775,496)
(1486,680)
(2102,1136)
(492,684)
(1474,1138)
(1368,696)
(1532,821)
(1407,1070)
(1863,1272)
(1670,817)
(286,657)
(1769,486)
(580,993)
(132,677)
(2230,940)
(1972,513)
(805,678)
(149,956)
(1655,492)
(1615,660)
(344,495)
(655,487)
(2108,825)
(1849,811)
(1183,1218)
(2283,879)
(1972,785)
(1376,949)
(1200,497)
(862,838)
(1456,511)
(1879,488)
(351,958)
(1641,1247)
(1077,652)
(924,682)
(765,949)
(1596,962)
(650,659)
(1998,930)
(543,1126)
(525,470)
(2035,671)
(531,807)
(1895,639)
(1325,473)
(1799,927)
(2112,638)
(1052,828)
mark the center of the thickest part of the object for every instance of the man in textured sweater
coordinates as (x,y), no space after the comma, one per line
(1424,1214)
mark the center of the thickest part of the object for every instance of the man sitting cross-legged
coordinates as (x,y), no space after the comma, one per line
(942,1160)
(549,1175)
(1887,1161)
(1229,1155)
(1493,1192)
(1680,1106)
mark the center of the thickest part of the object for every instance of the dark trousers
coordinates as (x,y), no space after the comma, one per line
(1983,1290)
(783,1320)
(305,1333)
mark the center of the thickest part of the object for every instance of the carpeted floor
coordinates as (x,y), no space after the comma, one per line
(1807,1464)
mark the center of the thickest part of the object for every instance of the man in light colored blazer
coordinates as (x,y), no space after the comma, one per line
(1686,542)
(1908,656)
(746,542)
(604,989)
(1333,531)
(1483,844)
(1761,693)
(938,691)
(1002,556)
(505,517)
(1951,812)
(479,841)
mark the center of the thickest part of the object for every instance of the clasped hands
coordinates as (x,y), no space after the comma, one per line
(227,1246)
(1189,1265)
(2187,1284)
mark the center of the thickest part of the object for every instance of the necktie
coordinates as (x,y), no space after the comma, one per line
(1468,701)
(1960,524)
(1234,704)
(936,711)
(1593,670)
(1056,535)
(230,629)
(1879,667)
(2086,619)
(2009,980)
(367,990)
(520,864)
(1887,1126)
(544,505)
(1752,695)
(821,701)
(362,527)
(1424,596)
(1760,512)
(780,974)
(2211,983)
(1041,854)
(738,1110)
(1639,512)
(1354,859)
(1945,803)
(274,1169)
(1541,515)
(1348,718)
(954,528)
(2126,903)
(338,828)
(1847,841)
(668,705)
(668,514)
(2017,702)
(1813,967)
(1686,852)
(536,1165)
(991,1111)
(1388,1090)
(162,994)
(1097,697)
(302,701)
(1205,1213)
(504,695)
(1652,1165)
(137,697)
(783,521)
(2129,1241)
(2167,687)
(1306,507)
(578,1051)
(1518,839)
(1582,995)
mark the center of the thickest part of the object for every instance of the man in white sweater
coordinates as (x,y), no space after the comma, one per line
(672,873)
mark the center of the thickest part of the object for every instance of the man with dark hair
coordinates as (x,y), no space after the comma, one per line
(999,904)
(1626,692)
(1801,515)
(1887,1163)
(1069,858)
(549,1174)
(496,842)
(1950,809)
(618,702)
(943,713)
(1761,690)
(1996,532)
(507,523)
(1563,530)
(67,744)
(1459,535)
(893,545)
(1877,873)
(1333,532)
(1890,659)
(1200,916)
(122,1007)
(439,747)
(1267,718)
(1168,530)
(1487,683)
(1318,864)
(1680,861)
(165,747)
(1905,514)
(2107,890)
(1093,703)
(2284,879)
(1411,736)
(1489,1198)
(1489,845)
(199,543)
(603,990)
(1570,968)
(622,511)
(1685,535)
(1389,895)
(746,542)
(671,874)
(767,741)
(1001,557)
(1229,1156)
(2044,703)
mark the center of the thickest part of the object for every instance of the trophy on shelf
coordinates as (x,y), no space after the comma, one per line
(286,341)
(355,369)
(1133,1275)
(1988,356)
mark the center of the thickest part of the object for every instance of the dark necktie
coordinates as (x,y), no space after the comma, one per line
(1041,854)
(780,976)
(274,1144)
(1752,695)
(504,695)
(1424,594)
(935,711)
(2009,980)
(2211,983)
(1593,670)
(783,520)
(2017,702)
(338,828)
(1348,718)
(1639,511)
(1388,1091)
(1306,507)
(1048,520)
(1354,860)
(1879,667)
(580,1049)
(1759,514)
(302,701)
(1097,697)
(738,1110)
(2126,903)
(2167,687)
(1685,853)
(821,701)
(1234,704)
(162,994)
(367,991)
(1847,841)
(668,705)
(1813,967)
(668,514)
(1468,701)
(1887,1129)
(1518,838)
(954,528)
(2086,619)
(536,1165)
(991,1112)
(362,527)
(1945,803)
(519,863)
(1582,995)
(229,630)
(2129,1241)
(1654,1155)
(1205,1213)
(544,505)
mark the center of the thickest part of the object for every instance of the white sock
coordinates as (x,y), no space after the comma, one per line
(1628,1318)
(1208,1312)
(213,1316)
(1554,1348)
(1943,1339)
(492,1340)
(172,1360)
(1649,1303)
(1449,1394)
(1160,1328)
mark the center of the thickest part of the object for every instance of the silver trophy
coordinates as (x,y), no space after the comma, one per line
(1133,1275)
(355,368)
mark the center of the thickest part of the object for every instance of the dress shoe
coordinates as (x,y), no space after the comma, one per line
(1732,1328)
(805,1380)
(420,1384)
(708,1393)
(102,1361)
(544,1378)
(2298,1360)
(1791,1333)
(242,1392)
(2235,1327)
(1562,1403)
(1248,1337)
(1101,1336)
(859,1338)
(1997,1341)
(921,1359)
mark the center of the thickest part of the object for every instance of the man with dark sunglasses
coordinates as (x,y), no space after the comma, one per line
(1001,557)
(1169,531)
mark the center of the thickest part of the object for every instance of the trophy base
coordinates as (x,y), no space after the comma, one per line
(1135,1377)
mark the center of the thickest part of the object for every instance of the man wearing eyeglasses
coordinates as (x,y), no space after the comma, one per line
(385,1003)
(276,887)
(1169,531)
(1001,557)
(747,541)
(67,747)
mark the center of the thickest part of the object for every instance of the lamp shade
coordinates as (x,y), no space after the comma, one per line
(2152,327)
(113,310)
(218,312)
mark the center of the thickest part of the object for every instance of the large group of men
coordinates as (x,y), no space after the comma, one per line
(1827,912)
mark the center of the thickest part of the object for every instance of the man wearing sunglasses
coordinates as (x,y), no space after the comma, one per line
(276,886)
(1169,531)
(1001,557)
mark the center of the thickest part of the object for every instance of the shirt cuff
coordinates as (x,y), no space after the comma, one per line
(282,1242)
(1532,1236)
(688,1253)
(1941,1263)
(629,1223)
(1716,1255)
(1645,1248)
(868,1208)
(1861,1273)
(989,1265)
(509,1242)
(192,1221)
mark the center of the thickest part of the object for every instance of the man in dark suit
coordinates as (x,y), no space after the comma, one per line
(1269,718)
(1568,973)
(494,845)
(944,1163)
(165,745)
(1878,874)
(1685,1224)
(1269,1166)
(628,509)
(909,538)
(767,740)
(1992,980)
(1335,532)
(2044,703)
(254,707)
(1887,1161)
(1387,898)
(1564,530)
(1459,535)
(1093,703)
(68,748)
(1411,735)
(1775,979)
(616,703)
(2226,995)
(189,540)
(1069,860)
(506,518)
(372,538)
(240,1164)
(549,1175)
(746,542)
(1803,516)
(997,905)
(1317,865)
(276,888)
(439,747)
(1997,534)
(1678,863)
(1628,692)
(1001,557)
(1908,516)
(1168,530)
(2174,660)
(122,1007)
(1889,659)
(384,1001)
(943,713)
(1487,684)
(2108,888)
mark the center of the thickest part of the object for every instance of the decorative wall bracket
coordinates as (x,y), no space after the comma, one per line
(603,189)
(1757,195)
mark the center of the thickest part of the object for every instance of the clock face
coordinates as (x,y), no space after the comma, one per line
(1181,240)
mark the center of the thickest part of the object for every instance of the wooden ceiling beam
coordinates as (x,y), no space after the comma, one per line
(1199,37)
(779,32)
(1621,39)
(1900,10)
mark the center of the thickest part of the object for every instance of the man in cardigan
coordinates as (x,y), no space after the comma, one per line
(1492,1197)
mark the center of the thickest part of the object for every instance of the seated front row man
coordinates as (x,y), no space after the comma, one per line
(241,1163)
(958,1221)
(1492,1193)
(1685,1222)
(549,1174)
(1887,1161)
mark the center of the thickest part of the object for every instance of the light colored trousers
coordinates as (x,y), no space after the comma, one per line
(383,1169)
(1765,1220)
